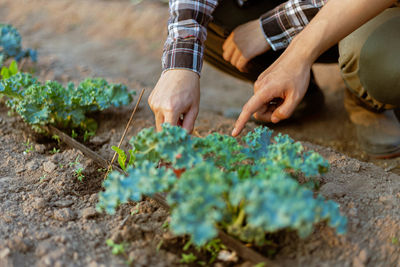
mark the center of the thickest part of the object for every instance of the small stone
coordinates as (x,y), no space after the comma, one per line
(42,235)
(63,203)
(18,244)
(363,256)
(353,166)
(49,166)
(32,165)
(20,169)
(43,248)
(64,215)
(89,213)
(353,212)
(93,198)
(99,140)
(40,148)
(225,255)
(4,253)
(357,263)
(332,190)
(39,203)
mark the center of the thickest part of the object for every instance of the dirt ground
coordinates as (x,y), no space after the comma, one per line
(47,217)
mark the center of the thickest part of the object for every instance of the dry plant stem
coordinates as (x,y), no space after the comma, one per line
(125,131)
(22,63)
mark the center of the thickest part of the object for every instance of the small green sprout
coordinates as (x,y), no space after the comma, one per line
(116,249)
(43,178)
(54,151)
(29,147)
(395,241)
(79,174)
(56,137)
(78,171)
(74,135)
(87,135)
(188,258)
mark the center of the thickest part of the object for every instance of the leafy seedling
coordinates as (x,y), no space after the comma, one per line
(54,151)
(116,249)
(188,258)
(29,147)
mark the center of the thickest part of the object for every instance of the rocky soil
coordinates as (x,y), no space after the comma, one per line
(48,217)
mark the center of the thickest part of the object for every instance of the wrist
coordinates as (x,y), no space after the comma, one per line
(303,50)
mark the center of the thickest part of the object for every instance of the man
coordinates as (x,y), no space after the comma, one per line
(370,70)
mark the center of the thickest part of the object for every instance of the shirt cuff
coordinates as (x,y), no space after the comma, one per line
(183,54)
(273,25)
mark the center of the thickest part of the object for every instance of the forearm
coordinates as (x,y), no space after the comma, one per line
(187,31)
(336,20)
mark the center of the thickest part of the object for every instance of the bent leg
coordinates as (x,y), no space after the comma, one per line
(370,61)
(227,17)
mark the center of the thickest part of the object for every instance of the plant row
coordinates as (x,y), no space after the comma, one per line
(212,183)
(52,103)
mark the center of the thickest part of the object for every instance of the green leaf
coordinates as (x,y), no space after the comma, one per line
(121,157)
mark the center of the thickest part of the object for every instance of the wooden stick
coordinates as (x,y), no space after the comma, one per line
(22,64)
(124,134)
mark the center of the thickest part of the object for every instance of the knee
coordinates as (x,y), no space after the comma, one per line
(379,63)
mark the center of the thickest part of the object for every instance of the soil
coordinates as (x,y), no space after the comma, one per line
(48,217)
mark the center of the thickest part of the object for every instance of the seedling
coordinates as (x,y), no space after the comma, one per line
(74,134)
(43,178)
(78,169)
(87,135)
(188,258)
(54,151)
(79,174)
(57,138)
(116,249)
(29,147)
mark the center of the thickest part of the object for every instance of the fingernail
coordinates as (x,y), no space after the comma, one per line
(233,132)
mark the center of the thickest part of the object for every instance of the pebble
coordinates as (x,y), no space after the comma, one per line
(64,215)
(32,165)
(49,166)
(20,169)
(42,235)
(332,190)
(99,140)
(39,203)
(225,255)
(88,213)
(43,248)
(18,244)
(4,253)
(40,148)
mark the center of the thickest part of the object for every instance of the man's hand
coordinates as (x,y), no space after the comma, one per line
(245,43)
(176,94)
(277,91)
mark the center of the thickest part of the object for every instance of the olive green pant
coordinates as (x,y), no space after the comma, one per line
(227,16)
(370,61)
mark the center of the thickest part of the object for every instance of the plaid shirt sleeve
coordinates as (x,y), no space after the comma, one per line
(187,31)
(284,22)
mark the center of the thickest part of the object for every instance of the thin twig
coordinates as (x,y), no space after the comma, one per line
(125,131)
(22,63)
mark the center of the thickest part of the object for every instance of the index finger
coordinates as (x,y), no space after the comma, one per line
(253,105)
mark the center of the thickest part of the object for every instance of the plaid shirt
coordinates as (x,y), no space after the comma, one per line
(187,28)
